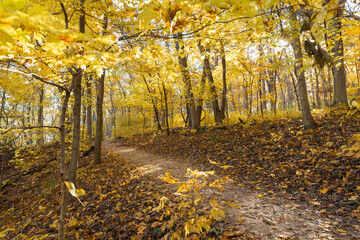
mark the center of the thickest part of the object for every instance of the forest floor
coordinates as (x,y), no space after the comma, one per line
(286,183)
(289,183)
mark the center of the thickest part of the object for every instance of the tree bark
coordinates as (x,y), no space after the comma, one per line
(308,120)
(89,108)
(317,88)
(199,107)
(99,119)
(224,103)
(167,130)
(189,96)
(214,97)
(337,50)
(99,109)
(154,105)
(63,175)
(41,114)
(75,150)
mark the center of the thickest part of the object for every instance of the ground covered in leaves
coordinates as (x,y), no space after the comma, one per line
(121,201)
(280,159)
(275,160)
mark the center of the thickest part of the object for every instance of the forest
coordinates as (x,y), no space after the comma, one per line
(179,119)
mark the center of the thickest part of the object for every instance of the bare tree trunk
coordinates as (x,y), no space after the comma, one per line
(113,114)
(99,119)
(214,97)
(189,96)
(337,50)
(260,97)
(75,149)
(308,120)
(154,105)
(89,107)
(317,94)
(224,104)
(63,174)
(275,92)
(99,109)
(41,114)
(199,107)
(295,91)
(166,109)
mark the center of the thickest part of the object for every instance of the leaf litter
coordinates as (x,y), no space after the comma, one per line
(285,183)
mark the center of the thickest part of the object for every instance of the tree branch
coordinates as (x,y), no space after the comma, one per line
(28,128)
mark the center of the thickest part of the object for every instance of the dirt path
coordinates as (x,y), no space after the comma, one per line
(265,217)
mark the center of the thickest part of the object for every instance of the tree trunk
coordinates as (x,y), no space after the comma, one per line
(337,50)
(214,97)
(166,109)
(224,103)
(113,114)
(189,96)
(308,120)
(63,175)
(317,93)
(199,107)
(154,105)
(76,126)
(99,119)
(89,108)
(99,108)
(77,77)
(41,114)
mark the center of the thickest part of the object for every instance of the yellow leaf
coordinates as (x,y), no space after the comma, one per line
(192,211)
(37,10)
(204,223)
(55,224)
(340,230)
(353,198)
(13,5)
(161,204)
(6,33)
(184,205)
(75,192)
(260,196)
(73,222)
(226,166)
(216,213)
(169,178)
(226,180)
(189,227)
(80,192)
(270,3)
(3,233)
(231,204)
(324,190)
